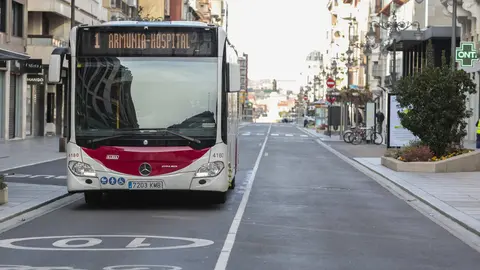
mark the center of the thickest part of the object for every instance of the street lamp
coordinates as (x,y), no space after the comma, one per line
(395,28)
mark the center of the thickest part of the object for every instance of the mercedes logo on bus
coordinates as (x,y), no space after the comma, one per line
(145,169)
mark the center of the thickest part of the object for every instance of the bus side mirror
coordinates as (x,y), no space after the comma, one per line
(55,69)
(234,77)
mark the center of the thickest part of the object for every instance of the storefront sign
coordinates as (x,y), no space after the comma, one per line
(398,136)
(32,66)
(35,79)
(466,54)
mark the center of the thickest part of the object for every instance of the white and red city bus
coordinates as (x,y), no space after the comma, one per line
(152,106)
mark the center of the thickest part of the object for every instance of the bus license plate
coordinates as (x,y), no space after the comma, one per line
(145,185)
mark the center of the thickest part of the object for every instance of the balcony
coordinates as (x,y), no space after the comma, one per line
(88,11)
(41,46)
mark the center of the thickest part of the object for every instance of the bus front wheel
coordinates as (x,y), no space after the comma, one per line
(93,198)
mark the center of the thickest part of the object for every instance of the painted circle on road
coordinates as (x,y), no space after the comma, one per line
(91,242)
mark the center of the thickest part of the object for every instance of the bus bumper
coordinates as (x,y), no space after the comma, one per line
(108,181)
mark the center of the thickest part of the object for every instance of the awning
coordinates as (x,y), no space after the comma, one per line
(11,55)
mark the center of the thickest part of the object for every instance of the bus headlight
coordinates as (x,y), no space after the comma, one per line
(81,169)
(210,169)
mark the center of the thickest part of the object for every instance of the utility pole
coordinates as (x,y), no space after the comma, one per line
(454,33)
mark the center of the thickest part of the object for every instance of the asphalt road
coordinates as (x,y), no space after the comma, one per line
(307,209)
(48,173)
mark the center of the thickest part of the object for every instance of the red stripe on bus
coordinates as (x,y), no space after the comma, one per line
(162,159)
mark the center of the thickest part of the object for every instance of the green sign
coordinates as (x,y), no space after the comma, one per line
(466,54)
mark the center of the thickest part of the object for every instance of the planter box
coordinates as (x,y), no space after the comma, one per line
(469,162)
(4,196)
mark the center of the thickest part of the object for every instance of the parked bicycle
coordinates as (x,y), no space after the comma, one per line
(364,134)
(347,136)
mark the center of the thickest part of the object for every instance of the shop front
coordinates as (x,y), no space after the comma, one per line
(11,98)
(34,98)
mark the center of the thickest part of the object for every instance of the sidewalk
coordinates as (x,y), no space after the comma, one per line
(21,153)
(26,197)
(455,195)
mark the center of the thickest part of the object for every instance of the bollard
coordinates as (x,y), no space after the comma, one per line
(62,145)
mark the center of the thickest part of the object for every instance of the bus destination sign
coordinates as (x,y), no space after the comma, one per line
(152,42)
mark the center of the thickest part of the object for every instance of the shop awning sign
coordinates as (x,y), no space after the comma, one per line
(466,55)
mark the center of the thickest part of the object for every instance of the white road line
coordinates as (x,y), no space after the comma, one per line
(260,134)
(289,135)
(232,233)
(246,134)
(34,163)
(303,135)
(274,134)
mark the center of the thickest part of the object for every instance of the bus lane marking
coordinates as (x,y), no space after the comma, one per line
(232,232)
(112,267)
(91,243)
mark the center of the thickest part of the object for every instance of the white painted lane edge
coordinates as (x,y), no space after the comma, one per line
(232,232)
(454,228)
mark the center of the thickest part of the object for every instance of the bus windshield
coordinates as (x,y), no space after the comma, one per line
(130,93)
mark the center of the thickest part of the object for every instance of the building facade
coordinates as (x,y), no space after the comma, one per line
(118,10)
(468,18)
(13,76)
(49,28)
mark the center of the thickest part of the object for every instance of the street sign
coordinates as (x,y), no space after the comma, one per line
(331,99)
(305,98)
(466,54)
(330,83)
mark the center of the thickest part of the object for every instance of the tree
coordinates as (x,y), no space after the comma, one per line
(141,16)
(436,101)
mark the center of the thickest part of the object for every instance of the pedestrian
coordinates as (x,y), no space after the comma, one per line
(478,133)
(380,118)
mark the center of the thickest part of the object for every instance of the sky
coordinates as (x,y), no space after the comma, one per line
(277,34)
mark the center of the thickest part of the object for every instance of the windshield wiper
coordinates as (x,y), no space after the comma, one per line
(105,138)
(167,131)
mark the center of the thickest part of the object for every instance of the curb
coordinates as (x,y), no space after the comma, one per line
(412,193)
(35,207)
(423,200)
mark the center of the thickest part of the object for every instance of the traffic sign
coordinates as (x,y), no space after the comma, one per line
(305,98)
(330,83)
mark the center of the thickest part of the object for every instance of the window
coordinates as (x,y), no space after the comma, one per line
(17,19)
(3,15)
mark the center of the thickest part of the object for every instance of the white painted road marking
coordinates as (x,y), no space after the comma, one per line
(112,267)
(303,135)
(246,133)
(45,176)
(289,135)
(62,244)
(274,134)
(232,232)
(260,134)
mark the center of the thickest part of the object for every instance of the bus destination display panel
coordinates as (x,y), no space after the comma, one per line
(167,42)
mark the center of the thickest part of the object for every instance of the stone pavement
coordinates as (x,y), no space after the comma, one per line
(456,195)
(21,153)
(27,197)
